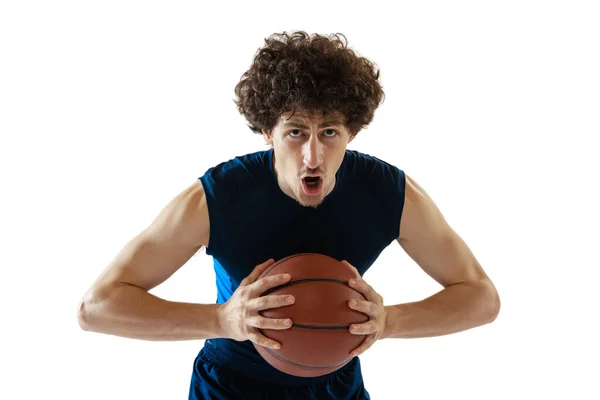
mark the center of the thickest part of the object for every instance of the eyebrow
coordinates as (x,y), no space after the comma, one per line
(332,122)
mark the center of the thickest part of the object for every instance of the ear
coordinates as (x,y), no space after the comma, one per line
(268,137)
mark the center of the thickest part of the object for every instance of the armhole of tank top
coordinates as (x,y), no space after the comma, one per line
(397,199)
(214,214)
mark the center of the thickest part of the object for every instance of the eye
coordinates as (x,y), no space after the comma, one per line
(330,132)
(295,133)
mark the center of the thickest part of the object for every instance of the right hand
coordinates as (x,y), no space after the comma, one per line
(239,316)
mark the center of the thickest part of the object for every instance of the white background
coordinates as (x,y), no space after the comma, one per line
(109,109)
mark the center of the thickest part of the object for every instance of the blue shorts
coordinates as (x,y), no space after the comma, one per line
(212,380)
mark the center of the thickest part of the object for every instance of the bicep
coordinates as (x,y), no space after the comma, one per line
(173,237)
(431,242)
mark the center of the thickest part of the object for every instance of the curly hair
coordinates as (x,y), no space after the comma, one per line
(315,74)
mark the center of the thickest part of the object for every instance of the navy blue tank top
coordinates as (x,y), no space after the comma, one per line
(252,220)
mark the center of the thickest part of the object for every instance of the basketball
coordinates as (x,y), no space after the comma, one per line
(319,341)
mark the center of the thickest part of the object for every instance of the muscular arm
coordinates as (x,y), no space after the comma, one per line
(118,302)
(469,298)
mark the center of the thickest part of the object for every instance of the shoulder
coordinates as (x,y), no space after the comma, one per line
(236,167)
(373,169)
(233,178)
(379,180)
(181,222)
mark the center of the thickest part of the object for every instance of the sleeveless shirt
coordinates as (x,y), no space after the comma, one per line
(252,220)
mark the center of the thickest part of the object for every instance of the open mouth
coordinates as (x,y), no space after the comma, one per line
(312,185)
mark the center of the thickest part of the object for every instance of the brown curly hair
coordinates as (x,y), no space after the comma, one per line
(316,74)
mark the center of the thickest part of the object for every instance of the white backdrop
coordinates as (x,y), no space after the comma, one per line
(109,109)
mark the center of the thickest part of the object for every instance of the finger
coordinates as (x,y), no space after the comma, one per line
(256,337)
(368,342)
(365,328)
(352,268)
(362,287)
(268,282)
(257,272)
(269,323)
(269,301)
(365,307)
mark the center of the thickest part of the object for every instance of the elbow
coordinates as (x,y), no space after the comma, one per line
(83,312)
(492,299)
(90,309)
(82,317)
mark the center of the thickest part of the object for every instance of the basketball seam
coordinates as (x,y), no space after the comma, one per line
(299,281)
(282,260)
(282,358)
(321,328)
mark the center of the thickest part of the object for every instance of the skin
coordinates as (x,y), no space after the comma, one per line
(305,143)
(468,298)
(308,145)
(119,303)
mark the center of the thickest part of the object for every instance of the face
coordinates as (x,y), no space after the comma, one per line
(308,150)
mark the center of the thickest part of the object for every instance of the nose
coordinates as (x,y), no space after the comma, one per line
(313,153)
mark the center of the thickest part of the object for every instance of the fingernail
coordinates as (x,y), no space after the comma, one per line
(276,346)
(352,282)
(352,302)
(289,299)
(285,276)
(287,322)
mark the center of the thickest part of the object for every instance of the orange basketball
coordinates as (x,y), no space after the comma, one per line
(319,341)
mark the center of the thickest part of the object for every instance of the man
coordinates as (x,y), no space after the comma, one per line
(309,96)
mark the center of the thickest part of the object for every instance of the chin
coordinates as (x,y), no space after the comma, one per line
(311,203)
(308,201)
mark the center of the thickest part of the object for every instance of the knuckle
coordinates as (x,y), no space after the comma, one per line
(286,299)
(250,323)
(274,301)
(263,341)
(258,322)
(262,301)
(259,283)
(265,323)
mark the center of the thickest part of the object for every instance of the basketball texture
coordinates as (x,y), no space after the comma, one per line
(319,341)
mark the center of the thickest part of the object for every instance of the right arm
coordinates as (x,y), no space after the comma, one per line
(118,302)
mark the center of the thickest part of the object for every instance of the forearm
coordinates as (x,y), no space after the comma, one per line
(455,308)
(129,311)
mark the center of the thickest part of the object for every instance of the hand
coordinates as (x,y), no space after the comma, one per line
(372,306)
(239,317)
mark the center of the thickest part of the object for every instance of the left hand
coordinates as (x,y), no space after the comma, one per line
(372,306)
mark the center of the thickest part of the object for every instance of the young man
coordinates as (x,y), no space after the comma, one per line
(309,96)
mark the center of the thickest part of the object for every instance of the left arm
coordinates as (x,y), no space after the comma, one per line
(468,299)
